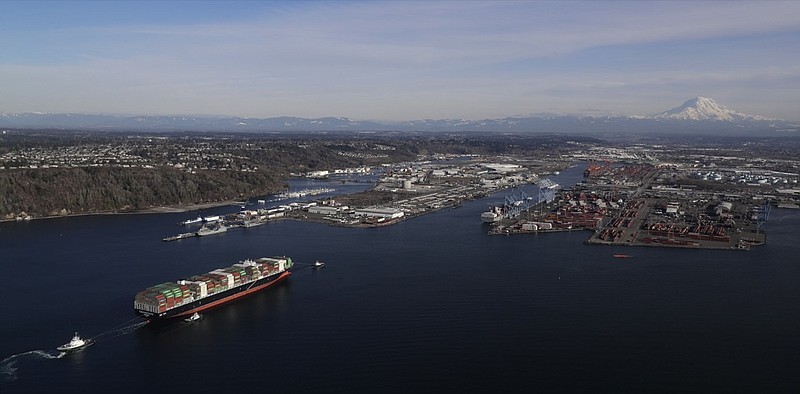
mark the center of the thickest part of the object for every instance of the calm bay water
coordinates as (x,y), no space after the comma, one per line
(431,304)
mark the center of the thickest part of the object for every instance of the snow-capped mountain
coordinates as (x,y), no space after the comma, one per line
(704,108)
(698,115)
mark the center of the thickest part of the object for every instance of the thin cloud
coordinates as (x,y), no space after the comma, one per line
(395,59)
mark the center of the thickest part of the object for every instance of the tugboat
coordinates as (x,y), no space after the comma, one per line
(74,344)
(317,264)
(196,316)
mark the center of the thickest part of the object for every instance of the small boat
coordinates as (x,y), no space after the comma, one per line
(196,316)
(621,256)
(74,344)
(317,264)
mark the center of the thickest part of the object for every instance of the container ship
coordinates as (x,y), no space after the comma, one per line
(200,292)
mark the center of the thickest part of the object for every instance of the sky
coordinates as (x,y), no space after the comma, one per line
(397,60)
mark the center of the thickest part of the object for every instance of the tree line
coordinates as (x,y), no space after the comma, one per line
(61,191)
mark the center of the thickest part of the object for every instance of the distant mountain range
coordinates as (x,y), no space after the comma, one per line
(699,114)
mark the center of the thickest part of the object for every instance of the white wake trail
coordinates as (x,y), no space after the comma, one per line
(7,366)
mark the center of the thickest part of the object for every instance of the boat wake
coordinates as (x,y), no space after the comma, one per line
(120,331)
(8,368)
(9,365)
(129,329)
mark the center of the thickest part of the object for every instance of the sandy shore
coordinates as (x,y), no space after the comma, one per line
(164,209)
(187,208)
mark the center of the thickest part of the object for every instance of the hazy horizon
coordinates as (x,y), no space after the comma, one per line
(397,61)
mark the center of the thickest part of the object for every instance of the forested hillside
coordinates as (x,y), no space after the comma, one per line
(60,191)
(51,173)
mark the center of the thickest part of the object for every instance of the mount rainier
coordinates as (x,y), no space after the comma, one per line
(703,108)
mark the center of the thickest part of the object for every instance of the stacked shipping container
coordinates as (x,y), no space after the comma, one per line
(161,297)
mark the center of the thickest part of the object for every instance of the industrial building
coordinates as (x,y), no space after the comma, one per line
(388,213)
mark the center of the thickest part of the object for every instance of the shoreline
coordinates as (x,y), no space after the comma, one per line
(153,210)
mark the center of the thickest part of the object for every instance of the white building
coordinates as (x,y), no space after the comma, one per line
(323,210)
(388,213)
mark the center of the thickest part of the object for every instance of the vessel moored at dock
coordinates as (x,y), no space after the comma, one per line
(211,229)
(179,236)
(200,292)
(192,221)
(493,215)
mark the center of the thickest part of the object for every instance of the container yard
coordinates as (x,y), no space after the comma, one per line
(628,205)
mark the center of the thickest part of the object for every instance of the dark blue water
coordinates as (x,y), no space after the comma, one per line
(428,305)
